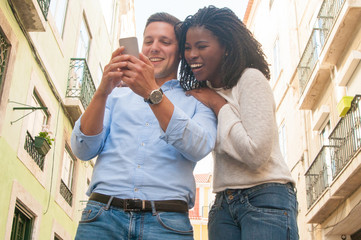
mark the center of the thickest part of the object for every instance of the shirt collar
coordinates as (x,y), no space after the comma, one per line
(169,85)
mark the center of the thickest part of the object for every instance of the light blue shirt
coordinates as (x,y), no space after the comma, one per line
(136,158)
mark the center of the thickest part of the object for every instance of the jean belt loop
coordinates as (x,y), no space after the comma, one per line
(109,203)
(154,211)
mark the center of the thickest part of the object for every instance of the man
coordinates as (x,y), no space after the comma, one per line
(148,137)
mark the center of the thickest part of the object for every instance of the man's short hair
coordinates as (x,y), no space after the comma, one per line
(167,18)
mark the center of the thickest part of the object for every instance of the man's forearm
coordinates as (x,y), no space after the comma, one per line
(163,112)
(93,117)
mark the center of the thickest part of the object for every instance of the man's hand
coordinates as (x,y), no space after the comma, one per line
(138,75)
(112,73)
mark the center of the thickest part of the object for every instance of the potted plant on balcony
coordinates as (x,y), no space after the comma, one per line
(43,142)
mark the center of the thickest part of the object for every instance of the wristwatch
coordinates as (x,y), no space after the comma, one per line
(155,97)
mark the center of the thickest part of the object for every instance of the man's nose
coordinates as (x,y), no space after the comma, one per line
(154,47)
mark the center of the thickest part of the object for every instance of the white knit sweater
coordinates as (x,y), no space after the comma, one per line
(247,151)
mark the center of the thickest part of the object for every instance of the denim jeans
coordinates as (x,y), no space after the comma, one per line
(101,222)
(267,211)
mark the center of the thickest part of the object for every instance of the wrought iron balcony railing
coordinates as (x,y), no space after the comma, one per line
(80,81)
(318,176)
(44,5)
(29,146)
(347,136)
(325,20)
(4,50)
(66,193)
(345,143)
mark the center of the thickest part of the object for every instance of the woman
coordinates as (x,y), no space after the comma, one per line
(255,197)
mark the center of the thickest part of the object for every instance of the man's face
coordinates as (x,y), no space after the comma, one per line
(161,47)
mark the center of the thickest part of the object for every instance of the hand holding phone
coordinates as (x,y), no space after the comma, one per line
(131,46)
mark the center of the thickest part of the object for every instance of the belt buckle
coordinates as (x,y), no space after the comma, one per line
(136,203)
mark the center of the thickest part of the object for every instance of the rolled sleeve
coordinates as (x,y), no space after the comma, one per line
(193,137)
(83,146)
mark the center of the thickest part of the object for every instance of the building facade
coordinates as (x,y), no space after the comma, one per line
(52,54)
(314,51)
(204,200)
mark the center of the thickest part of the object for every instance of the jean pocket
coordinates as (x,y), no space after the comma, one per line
(176,222)
(91,213)
(216,206)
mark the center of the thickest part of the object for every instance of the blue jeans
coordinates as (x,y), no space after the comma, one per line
(101,222)
(267,211)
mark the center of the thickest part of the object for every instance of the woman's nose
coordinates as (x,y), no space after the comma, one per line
(193,53)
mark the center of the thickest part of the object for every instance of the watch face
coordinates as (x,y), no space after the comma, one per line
(156,97)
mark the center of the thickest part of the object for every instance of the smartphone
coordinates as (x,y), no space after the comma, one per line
(131,46)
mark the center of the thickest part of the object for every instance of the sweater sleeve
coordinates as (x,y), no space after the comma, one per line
(245,128)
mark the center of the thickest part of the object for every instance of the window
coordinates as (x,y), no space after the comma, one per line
(66,183)
(67,170)
(283,141)
(4,52)
(276,59)
(22,224)
(324,141)
(83,41)
(58,10)
(324,133)
(56,237)
(39,118)
(99,76)
(108,7)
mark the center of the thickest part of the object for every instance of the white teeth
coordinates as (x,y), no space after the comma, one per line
(155,59)
(196,65)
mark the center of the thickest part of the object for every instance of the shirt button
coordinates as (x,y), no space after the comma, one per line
(143,144)
(146,124)
(138,166)
(135,189)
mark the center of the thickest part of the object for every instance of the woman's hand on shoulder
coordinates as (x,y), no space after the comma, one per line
(208,97)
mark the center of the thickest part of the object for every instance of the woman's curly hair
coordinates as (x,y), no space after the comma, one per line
(241,48)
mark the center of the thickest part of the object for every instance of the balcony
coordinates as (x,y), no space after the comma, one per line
(318,175)
(29,146)
(334,174)
(32,13)
(80,88)
(335,25)
(66,193)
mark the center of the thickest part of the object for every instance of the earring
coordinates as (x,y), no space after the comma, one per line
(226,54)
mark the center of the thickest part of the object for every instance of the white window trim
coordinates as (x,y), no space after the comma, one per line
(23,155)
(20,194)
(69,210)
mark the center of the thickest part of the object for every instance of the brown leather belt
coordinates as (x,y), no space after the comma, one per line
(137,205)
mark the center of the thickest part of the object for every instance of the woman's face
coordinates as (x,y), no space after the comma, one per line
(204,54)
